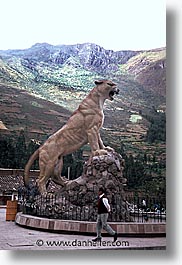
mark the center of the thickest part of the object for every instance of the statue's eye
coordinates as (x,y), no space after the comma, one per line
(110,84)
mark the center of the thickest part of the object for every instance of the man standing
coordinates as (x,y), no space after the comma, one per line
(103,212)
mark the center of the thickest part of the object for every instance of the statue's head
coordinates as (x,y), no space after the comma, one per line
(106,88)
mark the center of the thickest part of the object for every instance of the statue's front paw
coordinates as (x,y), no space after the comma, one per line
(109,149)
(100,152)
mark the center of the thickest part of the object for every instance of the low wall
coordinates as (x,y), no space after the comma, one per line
(17,172)
(69,226)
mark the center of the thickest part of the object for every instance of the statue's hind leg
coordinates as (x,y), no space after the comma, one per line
(46,170)
(57,178)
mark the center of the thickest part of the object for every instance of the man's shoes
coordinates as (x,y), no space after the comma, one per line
(115,237)
(97,239)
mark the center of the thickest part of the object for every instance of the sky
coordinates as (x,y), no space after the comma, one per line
(112,24)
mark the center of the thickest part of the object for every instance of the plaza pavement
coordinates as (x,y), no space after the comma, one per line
(15,237)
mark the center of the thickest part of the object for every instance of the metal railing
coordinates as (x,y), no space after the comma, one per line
(78,207)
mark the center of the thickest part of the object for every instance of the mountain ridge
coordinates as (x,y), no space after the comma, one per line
(89,55)
(74,66)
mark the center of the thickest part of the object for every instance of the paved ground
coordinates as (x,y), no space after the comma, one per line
(14,237)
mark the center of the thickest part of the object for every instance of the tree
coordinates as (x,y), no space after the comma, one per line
(20,151)
(157,128)
(7,154)
(75,162)
(32,146)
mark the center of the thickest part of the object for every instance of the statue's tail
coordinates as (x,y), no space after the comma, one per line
(33,157)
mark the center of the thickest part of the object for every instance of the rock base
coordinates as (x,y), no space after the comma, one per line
(78,199)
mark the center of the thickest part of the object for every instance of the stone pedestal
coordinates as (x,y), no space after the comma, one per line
(78,199)
(99,171)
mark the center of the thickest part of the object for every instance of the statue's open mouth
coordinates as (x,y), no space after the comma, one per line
(112,93)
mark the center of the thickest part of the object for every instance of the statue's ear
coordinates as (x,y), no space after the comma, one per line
(98,82)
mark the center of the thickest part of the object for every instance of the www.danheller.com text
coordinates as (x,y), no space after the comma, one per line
(81,243)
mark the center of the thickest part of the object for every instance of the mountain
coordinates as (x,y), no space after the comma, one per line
(148,68)
(23,111)
(49,71)
(88,55)
(52,80)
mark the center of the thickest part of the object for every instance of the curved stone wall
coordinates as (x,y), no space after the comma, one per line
(70,226)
